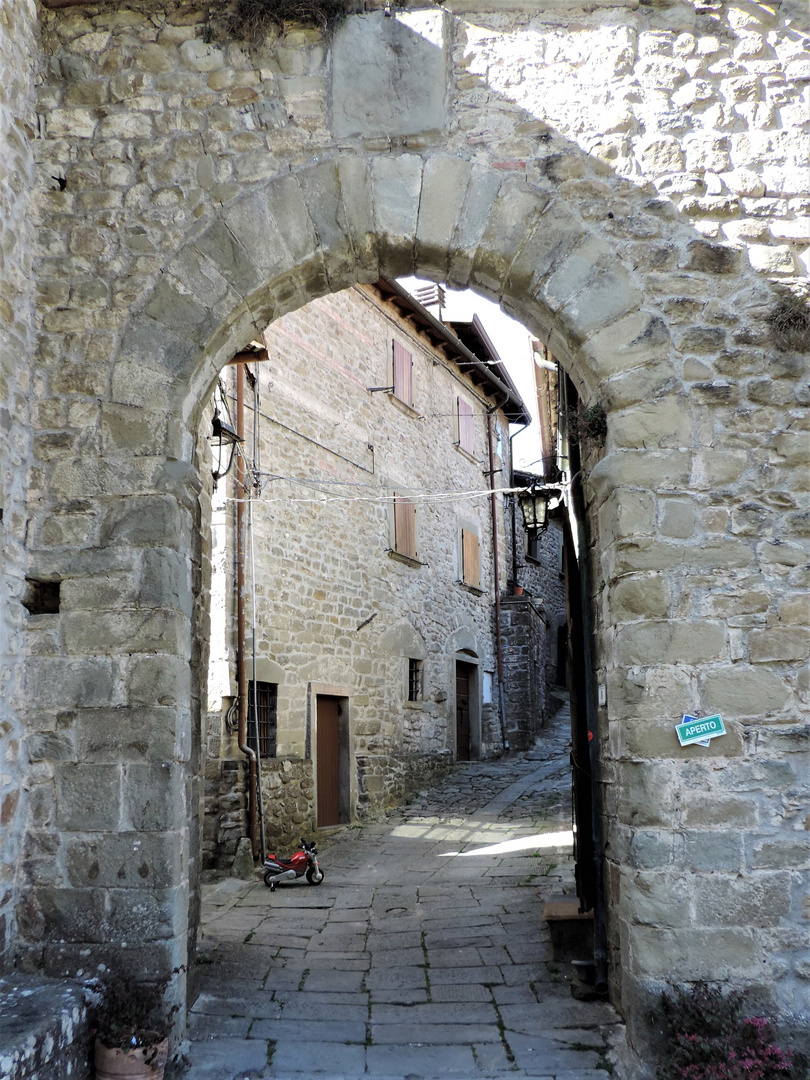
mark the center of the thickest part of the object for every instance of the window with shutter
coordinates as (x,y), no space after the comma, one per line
(466,438)
(403,374)
(404,527)
(470,572)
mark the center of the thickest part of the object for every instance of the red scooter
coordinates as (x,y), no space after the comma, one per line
(304,862)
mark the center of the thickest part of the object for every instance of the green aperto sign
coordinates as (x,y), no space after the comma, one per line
(699,730)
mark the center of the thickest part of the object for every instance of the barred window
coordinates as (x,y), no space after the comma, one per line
(414,679)
(266,697)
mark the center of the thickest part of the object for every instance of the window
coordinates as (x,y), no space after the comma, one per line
(266,697)
(533,544)
(403,374)
(470,572)
(414,680)
(466,434)
(404,527)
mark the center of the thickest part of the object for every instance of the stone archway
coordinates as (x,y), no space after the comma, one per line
(689,511)
(320,229)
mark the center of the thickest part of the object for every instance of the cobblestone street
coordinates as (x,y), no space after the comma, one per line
(422,955)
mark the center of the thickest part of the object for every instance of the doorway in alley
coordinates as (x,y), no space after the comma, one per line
(331,770)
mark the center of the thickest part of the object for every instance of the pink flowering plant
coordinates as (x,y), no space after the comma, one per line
(708,1038)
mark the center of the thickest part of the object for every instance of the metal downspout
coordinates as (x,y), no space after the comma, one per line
(513,498)
(241,679)
(599,928)
(497,573)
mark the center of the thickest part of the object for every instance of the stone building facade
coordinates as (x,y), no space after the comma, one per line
(628,179)
(348,609)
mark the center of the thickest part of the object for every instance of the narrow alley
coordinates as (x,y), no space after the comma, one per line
(422,955)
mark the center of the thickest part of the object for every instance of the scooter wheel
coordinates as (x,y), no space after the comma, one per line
(314,877)
(268,880)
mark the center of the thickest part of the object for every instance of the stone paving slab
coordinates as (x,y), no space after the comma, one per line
(297,1056)
(388,974)
(434,1061)
(440,1034)
(226,1059)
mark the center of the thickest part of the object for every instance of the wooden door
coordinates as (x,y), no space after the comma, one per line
(462,711)
(328,769)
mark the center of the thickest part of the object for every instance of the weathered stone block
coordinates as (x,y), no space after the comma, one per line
(154,796)
(695,953)
(443,190)
(778,644)
(159,680)
(130,734)
(127,861)
(400,87)
(397,187)
(762,900)
(782,854)
(647,794)
(148,916)
(657,899)
(641,596)
(66,914)
(740,691)
(88,797)
(718,849)
(671,642)
(513,216)
(62,682)
(657,423)
(712,809)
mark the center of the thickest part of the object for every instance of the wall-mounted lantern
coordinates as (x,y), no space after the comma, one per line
(534,507)
(224,439)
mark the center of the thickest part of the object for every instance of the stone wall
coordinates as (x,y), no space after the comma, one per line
(18,66)
(338,610)
(541,575)
(623,177)
(524,632)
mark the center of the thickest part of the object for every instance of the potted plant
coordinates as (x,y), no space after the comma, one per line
(132,1025)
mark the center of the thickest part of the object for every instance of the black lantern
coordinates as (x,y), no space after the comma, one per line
(223,435)
(534,507)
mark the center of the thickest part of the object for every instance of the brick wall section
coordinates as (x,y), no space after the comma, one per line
(18,63)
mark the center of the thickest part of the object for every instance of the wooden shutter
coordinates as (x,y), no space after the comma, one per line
(403,374)
(404,527)
(466,439)
(470,572)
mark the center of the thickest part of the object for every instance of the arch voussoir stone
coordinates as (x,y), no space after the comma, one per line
(445,184)
(397,189)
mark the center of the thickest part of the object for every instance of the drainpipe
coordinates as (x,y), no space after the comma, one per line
(513,499)
(241,678)
(599,928)
(497,573)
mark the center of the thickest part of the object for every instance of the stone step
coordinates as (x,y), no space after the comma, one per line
(44,1033)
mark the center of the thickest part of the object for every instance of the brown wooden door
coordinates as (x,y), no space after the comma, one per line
(462,711)
(328,750)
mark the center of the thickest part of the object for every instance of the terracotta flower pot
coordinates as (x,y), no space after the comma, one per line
(140,1063)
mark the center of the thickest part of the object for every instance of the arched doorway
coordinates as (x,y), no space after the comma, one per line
(540,243)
